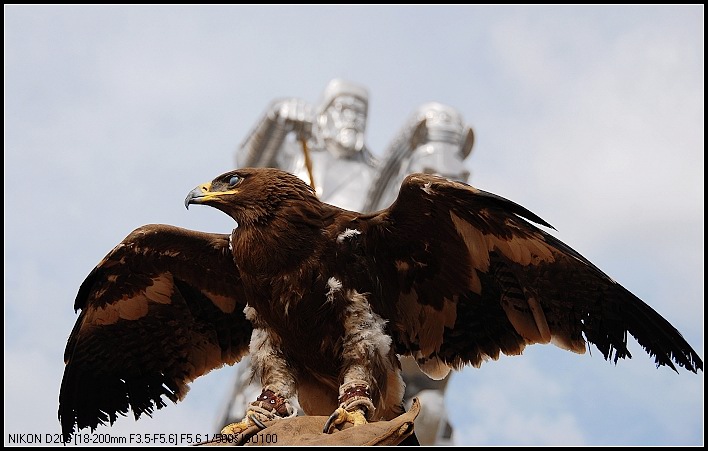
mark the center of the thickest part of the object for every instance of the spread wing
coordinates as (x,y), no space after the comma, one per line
(161,309)
(468,278)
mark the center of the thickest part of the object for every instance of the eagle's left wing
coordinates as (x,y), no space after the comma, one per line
(464,278)
(162,308)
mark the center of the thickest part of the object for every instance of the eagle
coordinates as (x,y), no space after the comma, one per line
(325,300)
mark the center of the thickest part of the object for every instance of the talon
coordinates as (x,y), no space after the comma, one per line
(330,420)
(249,420)
(341,416)
(256,421)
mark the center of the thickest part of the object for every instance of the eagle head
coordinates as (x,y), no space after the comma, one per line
(251,195)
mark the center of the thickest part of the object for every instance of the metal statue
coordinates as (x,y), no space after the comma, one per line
(325,146)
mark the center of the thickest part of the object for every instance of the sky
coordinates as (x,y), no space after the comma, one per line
(590,116)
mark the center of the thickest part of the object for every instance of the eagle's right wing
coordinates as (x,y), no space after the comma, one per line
(465,277)
(161,309)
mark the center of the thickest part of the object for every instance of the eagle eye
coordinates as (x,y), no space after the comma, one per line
(234,180)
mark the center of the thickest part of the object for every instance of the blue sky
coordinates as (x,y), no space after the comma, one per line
(592,117)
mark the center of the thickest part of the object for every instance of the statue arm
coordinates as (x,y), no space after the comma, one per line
(395,154)
(261,147)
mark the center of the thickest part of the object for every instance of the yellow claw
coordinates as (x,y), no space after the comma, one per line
(235,428)
(341,416)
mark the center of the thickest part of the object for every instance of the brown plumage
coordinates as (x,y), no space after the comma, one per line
(326,299)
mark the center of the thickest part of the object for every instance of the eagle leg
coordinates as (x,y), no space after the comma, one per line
(355,407)
(267,407)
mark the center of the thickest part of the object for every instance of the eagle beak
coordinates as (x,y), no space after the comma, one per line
(197,195)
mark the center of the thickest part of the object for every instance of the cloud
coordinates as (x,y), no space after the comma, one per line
(510,401)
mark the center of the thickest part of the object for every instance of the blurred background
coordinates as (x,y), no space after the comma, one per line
(590,116)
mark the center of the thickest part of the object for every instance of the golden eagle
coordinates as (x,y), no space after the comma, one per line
(325,300)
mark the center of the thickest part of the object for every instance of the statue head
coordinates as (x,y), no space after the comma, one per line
(342,117)
(442,144)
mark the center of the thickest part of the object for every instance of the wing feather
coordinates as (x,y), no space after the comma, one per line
(506,283)
(164,307)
